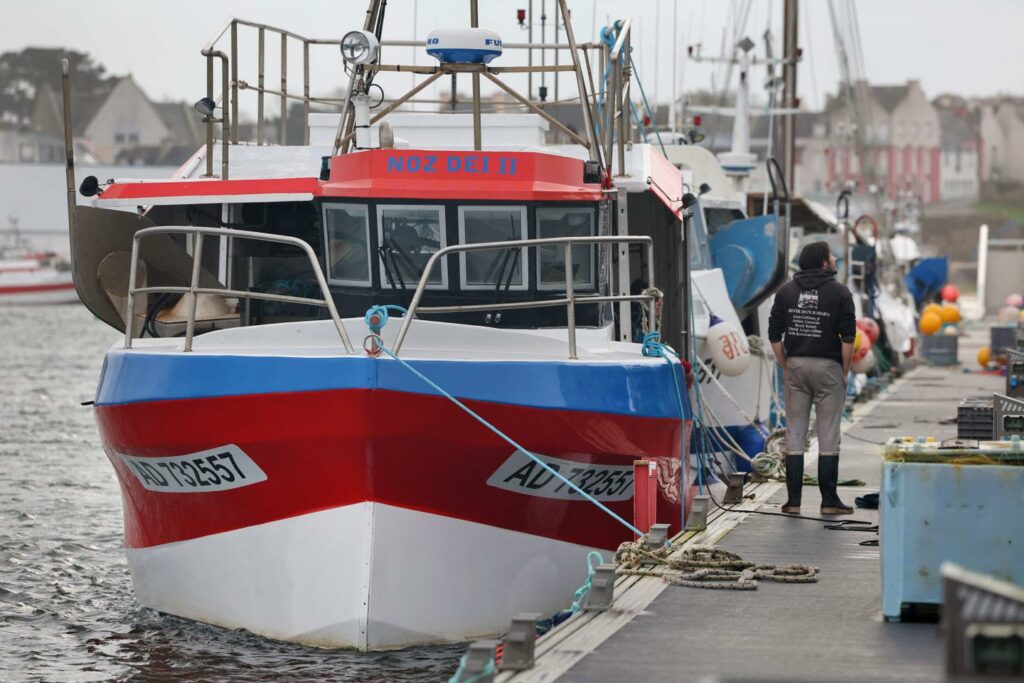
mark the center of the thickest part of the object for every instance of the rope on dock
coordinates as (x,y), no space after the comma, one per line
(704,567)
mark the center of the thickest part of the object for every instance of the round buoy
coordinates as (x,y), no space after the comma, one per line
(728,347)
(950,293)
(870,328)
(857,339)
(929,323)
(931,308)
(984,356)
(950,314)
(1015,300)
(865,347)
(864,365)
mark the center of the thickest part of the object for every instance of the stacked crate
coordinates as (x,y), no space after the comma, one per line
(974,419)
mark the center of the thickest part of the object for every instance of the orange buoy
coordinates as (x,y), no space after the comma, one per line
(857,339)
(931,308)
(984,356)
(950,314)
(930,323)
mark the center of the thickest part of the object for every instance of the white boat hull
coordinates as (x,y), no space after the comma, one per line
(367,576)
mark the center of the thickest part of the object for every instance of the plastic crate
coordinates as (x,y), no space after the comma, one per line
(975,419)
(1002,337)
(940,349)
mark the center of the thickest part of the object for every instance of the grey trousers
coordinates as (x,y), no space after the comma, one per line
(817,382)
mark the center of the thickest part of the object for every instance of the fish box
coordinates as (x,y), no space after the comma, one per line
(940,349)
(938,505)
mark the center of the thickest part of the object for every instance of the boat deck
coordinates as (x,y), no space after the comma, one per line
(827,631)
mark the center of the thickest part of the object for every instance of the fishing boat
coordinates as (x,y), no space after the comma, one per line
(32,277)
(384,391)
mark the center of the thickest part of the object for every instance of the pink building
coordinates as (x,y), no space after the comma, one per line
(903,142)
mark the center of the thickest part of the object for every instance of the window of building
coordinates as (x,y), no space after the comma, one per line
(408,236)
(347,229)
(133,138)
(565,222)
(119,138)
(494,267)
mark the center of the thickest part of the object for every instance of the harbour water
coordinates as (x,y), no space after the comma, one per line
(67,611)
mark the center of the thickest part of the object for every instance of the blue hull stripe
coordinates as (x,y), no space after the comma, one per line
(643,389)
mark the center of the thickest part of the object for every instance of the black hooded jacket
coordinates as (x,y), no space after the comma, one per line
(815,314)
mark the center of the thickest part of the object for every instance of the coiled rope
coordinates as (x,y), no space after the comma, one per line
(705,567)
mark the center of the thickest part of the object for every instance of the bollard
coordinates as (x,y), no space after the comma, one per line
(697,520)
(602,589)
(734,492)
(479,663)
(657,537)
(645,494)
(519,643)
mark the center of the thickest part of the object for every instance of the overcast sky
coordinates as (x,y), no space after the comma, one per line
(971,48)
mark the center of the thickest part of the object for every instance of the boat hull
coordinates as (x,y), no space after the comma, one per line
(38,294)
(358,510)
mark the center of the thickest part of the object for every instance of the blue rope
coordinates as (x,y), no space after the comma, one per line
(507,439)
(381,313)
(581,593)
(647,105)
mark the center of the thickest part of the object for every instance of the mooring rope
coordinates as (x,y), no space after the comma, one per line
(704,567)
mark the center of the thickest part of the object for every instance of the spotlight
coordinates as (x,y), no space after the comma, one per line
(359,47)
(205,106)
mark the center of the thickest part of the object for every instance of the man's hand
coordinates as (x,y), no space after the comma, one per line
(847,358)
(780,356)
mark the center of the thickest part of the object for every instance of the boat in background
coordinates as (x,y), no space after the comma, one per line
(31,277)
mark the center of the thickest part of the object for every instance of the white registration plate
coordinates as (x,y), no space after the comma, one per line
(520,473)
(217,469)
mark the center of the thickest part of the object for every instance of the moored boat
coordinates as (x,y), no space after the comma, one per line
(294,464)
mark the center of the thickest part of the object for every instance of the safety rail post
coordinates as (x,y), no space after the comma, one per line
(283,127)
(570,307)
(645,492)
(197,262)
(259,82)
(305,92)
(234,81)
(209,119)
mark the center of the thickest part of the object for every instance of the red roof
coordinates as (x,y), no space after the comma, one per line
(387,174)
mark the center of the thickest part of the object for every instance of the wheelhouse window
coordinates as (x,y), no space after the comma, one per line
(409,235)
(494,267)
(347,230)
(565,222)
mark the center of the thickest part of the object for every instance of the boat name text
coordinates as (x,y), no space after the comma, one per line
(217,469)
(522,474)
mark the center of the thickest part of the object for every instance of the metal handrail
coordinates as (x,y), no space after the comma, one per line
(569,301)
(194,290)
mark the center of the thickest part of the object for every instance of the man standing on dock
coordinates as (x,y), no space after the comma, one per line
(815,315)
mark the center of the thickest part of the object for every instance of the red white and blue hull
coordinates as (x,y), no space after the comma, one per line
(339,501)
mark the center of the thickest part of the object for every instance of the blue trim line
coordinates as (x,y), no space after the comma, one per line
(642,389)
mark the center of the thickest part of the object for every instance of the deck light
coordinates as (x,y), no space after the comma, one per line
(359,47)
(521,16)
(205,106)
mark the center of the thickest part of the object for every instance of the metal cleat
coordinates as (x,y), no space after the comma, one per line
(697,520)
(734,492)
(479,667)
(657,537)
(602,589)
(520,642)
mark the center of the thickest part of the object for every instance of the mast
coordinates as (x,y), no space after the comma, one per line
(790,53)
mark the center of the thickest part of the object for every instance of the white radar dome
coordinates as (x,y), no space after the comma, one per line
(464,45)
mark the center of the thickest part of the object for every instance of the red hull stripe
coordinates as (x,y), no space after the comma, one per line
(321,450)
(642,388)
(28,289)
(216,188)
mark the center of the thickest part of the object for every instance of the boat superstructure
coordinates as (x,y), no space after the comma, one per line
(294,463)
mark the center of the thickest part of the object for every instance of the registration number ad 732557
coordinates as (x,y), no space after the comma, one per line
(521,474)
(216,469)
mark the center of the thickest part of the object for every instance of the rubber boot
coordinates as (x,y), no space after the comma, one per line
(828,478)
(794,483)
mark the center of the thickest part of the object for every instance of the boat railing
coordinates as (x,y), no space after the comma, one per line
(570,300)
(194,290)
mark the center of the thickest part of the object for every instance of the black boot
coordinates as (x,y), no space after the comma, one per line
(828,478)
(794,483)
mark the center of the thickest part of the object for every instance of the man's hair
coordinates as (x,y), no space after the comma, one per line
(814,255)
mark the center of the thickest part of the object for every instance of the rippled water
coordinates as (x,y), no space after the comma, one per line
(67,611)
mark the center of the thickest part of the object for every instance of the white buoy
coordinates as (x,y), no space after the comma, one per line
(728,347)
